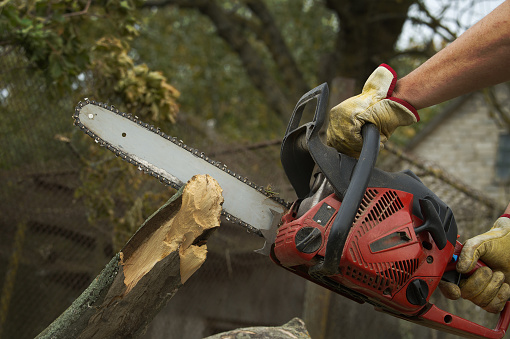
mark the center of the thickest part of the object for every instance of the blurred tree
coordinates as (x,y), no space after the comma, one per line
(274,40)
(55,52)
(269,53)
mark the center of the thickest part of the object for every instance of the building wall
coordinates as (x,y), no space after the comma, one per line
(465,144)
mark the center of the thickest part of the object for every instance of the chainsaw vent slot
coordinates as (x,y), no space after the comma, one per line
(384,274)
(387,205)
(370,195)
(286,233)
(374,281)
(399,272)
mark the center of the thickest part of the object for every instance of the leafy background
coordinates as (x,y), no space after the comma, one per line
(219,74)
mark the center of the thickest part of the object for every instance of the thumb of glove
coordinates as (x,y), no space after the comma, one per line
(449,290)
(492,247)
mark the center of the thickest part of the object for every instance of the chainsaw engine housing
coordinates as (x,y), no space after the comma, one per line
(369,235)
(383,262)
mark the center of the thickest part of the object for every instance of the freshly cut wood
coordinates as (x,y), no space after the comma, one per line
(167,249)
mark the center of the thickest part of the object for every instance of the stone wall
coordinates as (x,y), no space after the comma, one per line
(465,142)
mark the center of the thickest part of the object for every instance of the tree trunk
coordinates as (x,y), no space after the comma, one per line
(167,249)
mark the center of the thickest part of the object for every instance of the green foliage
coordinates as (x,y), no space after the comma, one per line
(144,92)
(184,46)
(48,41)
(63,40)
(55,53)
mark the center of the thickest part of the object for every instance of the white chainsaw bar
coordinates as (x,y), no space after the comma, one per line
(174,163)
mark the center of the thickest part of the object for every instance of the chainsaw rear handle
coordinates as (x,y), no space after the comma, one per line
(448,322)
(450,273)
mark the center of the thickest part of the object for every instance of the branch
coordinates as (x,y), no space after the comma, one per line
(84,11)
(435,22)
(260,76)
(232,31)
(419,52)
(443,175)
(270,34)
(250,147)
(167,249)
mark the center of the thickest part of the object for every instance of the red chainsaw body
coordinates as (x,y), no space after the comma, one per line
(384,262)
(367,234)
(382,255)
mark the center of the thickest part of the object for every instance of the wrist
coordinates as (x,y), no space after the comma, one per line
(402,92)
(397,97)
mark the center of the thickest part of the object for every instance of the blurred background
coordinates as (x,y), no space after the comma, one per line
(224,76)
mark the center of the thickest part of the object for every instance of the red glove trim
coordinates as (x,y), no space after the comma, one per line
(407,105)
(393,82)
(505,216)
(392,88)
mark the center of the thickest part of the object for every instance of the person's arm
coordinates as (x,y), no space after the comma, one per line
(507,211)
(478,58)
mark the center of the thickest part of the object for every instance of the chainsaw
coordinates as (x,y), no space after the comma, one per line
(372,236)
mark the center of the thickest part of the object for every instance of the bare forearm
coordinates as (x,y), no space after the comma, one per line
(477,59)
(507,211)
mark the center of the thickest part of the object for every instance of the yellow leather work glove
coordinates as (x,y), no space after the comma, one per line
(488,287)
(376,105)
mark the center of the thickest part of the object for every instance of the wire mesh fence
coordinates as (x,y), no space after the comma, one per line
(53,244)
(48,251)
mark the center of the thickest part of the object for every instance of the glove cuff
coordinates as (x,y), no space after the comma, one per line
(397,100)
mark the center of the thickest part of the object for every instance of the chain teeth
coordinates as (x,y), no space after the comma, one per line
(180,143)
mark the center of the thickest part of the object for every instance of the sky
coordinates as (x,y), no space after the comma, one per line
(463,12)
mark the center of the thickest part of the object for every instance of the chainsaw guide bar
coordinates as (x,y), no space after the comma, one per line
(173,163)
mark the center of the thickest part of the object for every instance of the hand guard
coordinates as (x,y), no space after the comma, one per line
(376,105)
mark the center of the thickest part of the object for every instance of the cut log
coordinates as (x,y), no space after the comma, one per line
(294,329)
(166,250)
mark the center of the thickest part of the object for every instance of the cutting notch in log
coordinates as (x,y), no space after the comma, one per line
(167,249)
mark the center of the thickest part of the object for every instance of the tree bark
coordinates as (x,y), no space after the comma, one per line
(166,250)
(366,38)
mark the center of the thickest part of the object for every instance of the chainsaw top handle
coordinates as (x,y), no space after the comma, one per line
(352,199)
(302,148)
